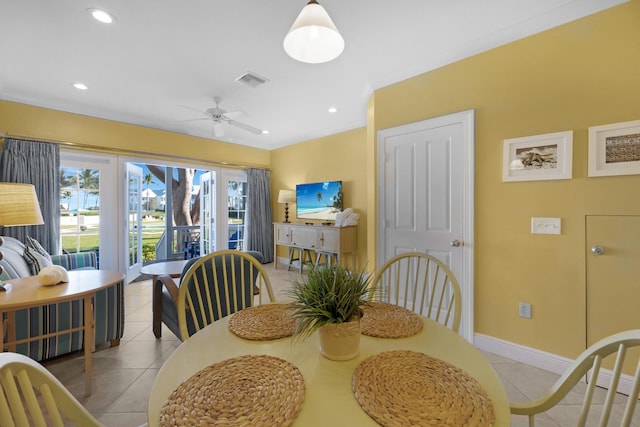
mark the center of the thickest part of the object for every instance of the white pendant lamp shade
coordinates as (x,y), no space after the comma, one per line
(313,37)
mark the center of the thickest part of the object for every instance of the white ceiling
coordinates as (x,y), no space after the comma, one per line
(163,58)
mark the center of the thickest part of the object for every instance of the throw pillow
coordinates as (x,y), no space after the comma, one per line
(36,260)
(36,246)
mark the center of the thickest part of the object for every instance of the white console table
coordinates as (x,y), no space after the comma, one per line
(317,238)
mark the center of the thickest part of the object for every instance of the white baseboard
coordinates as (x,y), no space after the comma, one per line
(528,355)
(541,359)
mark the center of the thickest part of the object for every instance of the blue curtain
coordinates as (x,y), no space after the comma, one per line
(36,163)
(260,220)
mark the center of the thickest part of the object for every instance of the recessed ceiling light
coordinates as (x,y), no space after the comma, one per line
(333,109)
(265,132)
(102,16)
(80,86)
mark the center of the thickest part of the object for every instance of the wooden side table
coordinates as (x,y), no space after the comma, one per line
(27,292)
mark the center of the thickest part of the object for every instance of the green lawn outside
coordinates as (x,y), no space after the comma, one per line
(151,233)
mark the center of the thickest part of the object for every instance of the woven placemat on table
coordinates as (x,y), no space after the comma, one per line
(384,320)
(241,391)
(401,388)
(263,322)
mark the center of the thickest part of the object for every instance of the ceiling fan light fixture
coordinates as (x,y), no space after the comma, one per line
(313,37)
(101,15)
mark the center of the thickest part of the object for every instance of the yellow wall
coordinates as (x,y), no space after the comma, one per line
(581,74)
(336,157)
(26,121)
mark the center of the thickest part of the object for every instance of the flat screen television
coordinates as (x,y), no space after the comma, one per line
(319,200)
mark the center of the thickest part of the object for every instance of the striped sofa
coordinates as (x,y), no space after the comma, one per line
(108,305)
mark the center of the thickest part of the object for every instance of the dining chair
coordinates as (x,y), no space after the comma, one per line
(214,286)
(420,283)
(591,360)
(31,396)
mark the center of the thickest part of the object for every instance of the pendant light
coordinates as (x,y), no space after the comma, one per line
(313,37)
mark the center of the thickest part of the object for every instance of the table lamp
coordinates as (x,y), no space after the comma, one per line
(286,197)
(18,206)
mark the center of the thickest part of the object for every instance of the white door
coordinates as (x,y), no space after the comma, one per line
(207,213)
(425,172)
(133,222)
(234,185)
(85,218)
(612,288)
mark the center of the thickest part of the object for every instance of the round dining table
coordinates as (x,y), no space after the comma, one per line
(328,396)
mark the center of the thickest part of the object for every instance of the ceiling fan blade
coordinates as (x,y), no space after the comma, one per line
(245,127)
(231,114)
(192,120)
(194,109)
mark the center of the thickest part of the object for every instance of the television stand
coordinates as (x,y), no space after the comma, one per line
(326,239)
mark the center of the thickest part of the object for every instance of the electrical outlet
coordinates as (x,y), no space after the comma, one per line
(525,310)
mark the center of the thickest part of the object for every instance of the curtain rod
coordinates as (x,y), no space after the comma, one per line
(79,146)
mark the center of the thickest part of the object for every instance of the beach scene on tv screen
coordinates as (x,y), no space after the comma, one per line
(319,200)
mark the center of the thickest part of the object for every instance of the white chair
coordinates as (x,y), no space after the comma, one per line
(420,283)
(31,396)
(590,360)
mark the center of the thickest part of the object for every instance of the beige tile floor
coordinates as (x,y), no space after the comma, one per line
(123,375)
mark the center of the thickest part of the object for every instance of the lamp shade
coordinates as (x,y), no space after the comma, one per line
(19,205)
(313,37)
(286,196)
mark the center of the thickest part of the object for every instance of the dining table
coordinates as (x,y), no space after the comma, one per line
(329,397)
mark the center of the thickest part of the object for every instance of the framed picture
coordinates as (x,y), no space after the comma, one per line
(538,157)
(614,149)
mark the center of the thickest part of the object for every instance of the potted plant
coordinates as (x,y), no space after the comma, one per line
(330,301)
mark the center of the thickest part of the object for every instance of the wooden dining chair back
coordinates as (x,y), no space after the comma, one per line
(31,396)
(589,365)
(217,285)
(420,283)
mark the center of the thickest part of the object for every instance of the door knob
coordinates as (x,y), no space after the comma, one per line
(597,250)
(456,243)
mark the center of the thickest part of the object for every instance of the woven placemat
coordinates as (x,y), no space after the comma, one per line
(401,388)
(263,322)
(241,391)
(384,320)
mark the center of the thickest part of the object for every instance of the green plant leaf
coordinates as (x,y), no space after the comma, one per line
(330,294)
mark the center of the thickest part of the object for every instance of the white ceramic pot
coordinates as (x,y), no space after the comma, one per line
(340,341)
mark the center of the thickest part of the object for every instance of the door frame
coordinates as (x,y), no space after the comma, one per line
(208,203)
(467,119)
(132,270)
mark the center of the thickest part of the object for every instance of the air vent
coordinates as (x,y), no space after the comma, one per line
(251,79)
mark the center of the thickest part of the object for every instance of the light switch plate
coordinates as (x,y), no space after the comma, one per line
(545,226)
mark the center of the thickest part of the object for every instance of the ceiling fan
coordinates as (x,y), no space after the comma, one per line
(220,117)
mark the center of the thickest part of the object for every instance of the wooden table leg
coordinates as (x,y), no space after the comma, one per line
(89,339)
(2,325)
(11,331)
(157,307)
